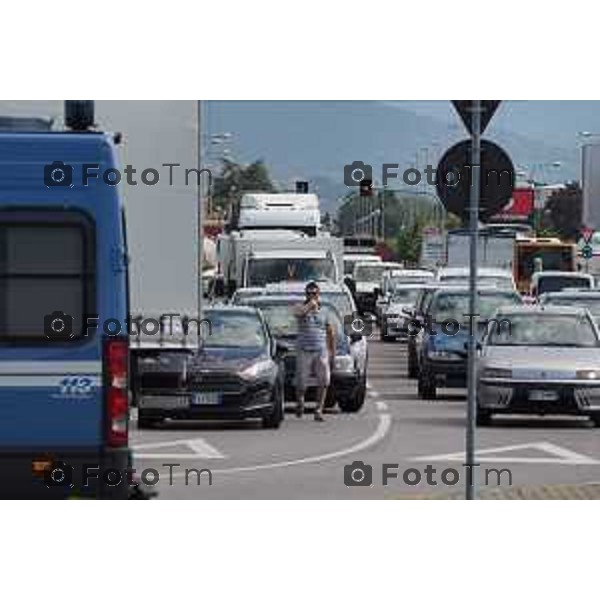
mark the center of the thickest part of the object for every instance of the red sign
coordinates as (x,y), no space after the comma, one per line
(520,207)
(586,234)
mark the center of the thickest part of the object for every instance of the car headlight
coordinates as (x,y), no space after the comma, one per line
(259,369)
(343,364)
(494,373)
(588,374)
(443,355)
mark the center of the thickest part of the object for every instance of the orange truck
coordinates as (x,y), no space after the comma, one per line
(535,254)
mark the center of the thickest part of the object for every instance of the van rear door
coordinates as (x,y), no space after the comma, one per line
(50,370)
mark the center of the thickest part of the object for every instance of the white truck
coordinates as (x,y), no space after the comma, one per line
(495,248)
(251,258)
(297,212)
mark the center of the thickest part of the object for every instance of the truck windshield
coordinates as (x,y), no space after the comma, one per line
(370,273)
(275,270)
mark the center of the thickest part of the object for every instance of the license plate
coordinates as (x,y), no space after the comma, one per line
(206,398)
(543,395)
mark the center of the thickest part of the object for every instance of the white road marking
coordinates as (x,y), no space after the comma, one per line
(382,430)
(382,406)
(199,447)
(558,455)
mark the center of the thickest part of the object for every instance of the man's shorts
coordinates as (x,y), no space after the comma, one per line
(312,368)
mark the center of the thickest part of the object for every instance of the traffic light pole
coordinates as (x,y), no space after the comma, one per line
(473,329)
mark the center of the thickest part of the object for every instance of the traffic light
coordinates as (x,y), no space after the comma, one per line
(301,187)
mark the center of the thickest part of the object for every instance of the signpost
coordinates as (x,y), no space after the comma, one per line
(475,114)
(455,178)
(587,251)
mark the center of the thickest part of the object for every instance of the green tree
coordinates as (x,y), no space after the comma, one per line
(236,179)
(409,240)
(564,211)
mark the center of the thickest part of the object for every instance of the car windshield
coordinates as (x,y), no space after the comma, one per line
(274,270)
(592,304)
(233,330)
(282,321)
(448,306)
(543,330)
(405,296)
(370,273)
(555,283)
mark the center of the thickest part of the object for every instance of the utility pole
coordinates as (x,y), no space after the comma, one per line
(200,206)
(474,234)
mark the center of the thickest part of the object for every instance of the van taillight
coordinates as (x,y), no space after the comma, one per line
(116,367)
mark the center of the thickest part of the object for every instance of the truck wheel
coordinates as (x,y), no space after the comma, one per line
(426,386)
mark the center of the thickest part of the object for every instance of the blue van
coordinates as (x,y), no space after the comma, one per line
(64,349)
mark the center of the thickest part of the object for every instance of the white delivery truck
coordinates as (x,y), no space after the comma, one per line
(495,248)
(298,212)
(163,241)
(256,258)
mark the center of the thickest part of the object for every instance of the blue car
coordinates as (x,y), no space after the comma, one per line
(63,263)
(444,332)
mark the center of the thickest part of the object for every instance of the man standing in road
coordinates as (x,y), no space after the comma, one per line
(315,349)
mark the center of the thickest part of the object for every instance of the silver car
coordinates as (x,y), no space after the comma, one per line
(540,360)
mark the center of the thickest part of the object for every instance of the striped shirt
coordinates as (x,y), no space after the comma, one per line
(312,333)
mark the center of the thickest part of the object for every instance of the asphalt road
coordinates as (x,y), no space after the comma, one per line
(305,459)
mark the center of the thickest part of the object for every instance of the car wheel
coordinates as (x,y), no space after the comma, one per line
(355,401)
(274,418)
(595,419)
(483,417)
(426,386)
(413,372)
(145,422)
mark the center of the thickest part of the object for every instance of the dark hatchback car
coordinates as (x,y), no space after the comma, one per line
(348,373)
(442,339)
(237,373)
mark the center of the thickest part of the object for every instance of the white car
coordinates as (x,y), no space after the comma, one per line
(396,312)
(540,360)
(554,281)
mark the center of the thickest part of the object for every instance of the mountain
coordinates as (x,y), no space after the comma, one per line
(314,139)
